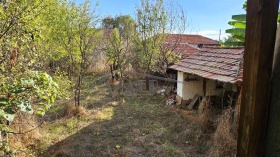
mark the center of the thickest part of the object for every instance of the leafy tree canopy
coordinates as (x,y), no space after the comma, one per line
(237,32)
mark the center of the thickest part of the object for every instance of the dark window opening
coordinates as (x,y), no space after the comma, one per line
(191,77)
(219,85)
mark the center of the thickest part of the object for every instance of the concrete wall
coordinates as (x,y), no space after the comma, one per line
(234,88)
(211,88)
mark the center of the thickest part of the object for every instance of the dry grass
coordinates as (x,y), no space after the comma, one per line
(188,115)
(27,124)
(70,110)
(224,139)
(206,116)
(205,120)
(218,132)
(138,125)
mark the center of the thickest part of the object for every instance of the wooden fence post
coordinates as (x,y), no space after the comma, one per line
(273,131)
(261,26)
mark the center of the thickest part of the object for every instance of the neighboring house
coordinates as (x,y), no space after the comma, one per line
(186,44)
(212,71)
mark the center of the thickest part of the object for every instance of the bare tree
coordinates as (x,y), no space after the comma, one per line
(155,21)
(176,26)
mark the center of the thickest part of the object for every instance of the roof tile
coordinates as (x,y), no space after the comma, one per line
(190,39)
(186,44)
(217,63)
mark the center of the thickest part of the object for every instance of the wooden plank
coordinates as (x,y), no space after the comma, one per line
(273,130)
(259,46)
(194,100)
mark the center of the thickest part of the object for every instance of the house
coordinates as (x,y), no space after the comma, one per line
(187,44)
(212,71)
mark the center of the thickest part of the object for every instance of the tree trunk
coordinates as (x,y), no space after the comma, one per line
(147,77)
(147,83)
(273,131)
(78,91)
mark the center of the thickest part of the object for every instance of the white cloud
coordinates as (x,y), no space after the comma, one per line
(213,34)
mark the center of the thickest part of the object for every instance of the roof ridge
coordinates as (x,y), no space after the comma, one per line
(239,64)
(222,47)
(198,35)
(193,46)
(222,57)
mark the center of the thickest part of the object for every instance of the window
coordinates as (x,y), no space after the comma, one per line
(191,77)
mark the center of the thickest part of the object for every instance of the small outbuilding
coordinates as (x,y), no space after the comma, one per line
(213,71)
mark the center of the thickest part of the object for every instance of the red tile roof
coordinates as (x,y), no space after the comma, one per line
(186,44)
(190,39)
(181,48)
(216,63)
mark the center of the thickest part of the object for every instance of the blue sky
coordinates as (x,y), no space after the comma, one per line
(205,17)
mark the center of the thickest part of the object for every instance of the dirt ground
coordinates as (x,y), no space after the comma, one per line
(137,125)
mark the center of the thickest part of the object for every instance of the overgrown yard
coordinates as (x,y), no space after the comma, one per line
(137,125)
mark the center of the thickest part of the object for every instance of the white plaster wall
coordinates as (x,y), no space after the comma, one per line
(190,88)
(180,78)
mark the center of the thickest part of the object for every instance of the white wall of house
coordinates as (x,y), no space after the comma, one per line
(180,79)
(192,87)
(188,89)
